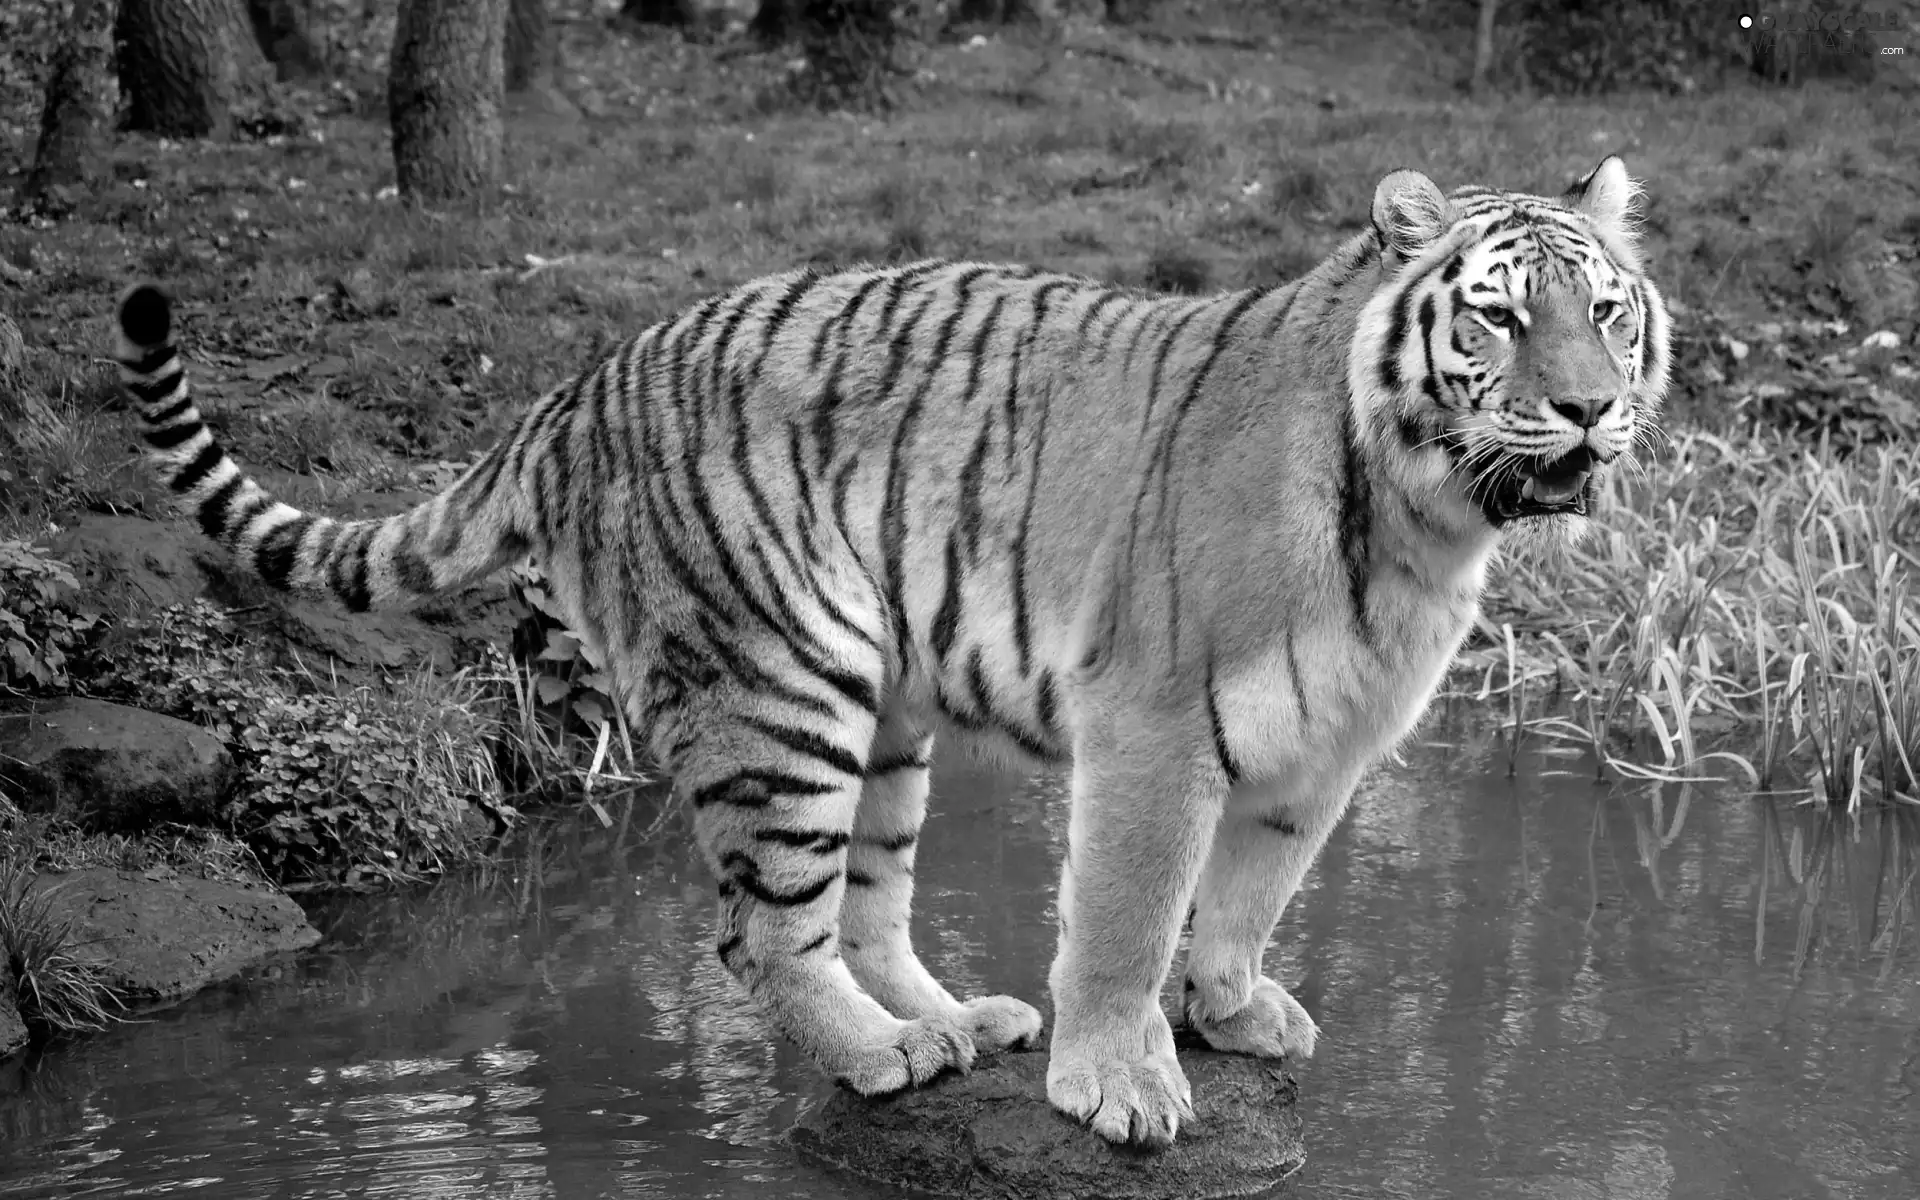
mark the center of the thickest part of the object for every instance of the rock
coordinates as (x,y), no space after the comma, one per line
(133,563)
(139,564)
(160,939)
(110,768)
(13,1031)
(991,1135)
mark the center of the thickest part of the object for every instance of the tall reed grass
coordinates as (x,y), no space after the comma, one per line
(1747,612)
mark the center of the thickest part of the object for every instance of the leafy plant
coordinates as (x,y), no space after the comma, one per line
(362,785)
(39,625)
(563,732)
(341,784)
(854,50)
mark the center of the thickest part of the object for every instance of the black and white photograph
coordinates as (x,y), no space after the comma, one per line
(981,599)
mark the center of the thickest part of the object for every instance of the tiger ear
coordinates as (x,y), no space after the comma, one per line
(1605,195)
(1409,212)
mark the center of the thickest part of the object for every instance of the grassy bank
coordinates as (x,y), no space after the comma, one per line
(1745,613)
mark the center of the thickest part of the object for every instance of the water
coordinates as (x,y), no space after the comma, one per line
(1530,988)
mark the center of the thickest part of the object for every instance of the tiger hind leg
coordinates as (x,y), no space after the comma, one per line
(774,809)
(876,914)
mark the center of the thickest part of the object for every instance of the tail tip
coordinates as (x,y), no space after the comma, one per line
(146,315)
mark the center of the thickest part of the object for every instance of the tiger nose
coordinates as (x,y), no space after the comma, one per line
(1584,411)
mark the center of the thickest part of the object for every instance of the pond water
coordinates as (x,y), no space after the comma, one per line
(1530,988)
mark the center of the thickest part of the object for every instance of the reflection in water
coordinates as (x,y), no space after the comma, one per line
(1533,988)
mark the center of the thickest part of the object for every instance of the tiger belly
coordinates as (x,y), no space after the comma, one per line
(989,704)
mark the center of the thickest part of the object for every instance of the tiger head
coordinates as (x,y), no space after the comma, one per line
(1515,347)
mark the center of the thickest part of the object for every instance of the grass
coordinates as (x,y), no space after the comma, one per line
(1744,613)
(56,991)
(1751,593)
(44,844)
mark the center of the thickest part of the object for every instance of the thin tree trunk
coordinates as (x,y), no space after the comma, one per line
(188,65)
(444,91)
(79,105)
(533,46)
(1482,47)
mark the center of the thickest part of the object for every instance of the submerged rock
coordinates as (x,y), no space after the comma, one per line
(109,768)
(991,1135)
(162,939)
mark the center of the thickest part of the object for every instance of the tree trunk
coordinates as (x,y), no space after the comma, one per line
(533,47)
(1482,47)
(80,103)
(188,65)
(283,29)
(444,94)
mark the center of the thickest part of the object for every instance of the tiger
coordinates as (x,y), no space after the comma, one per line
(1211,555)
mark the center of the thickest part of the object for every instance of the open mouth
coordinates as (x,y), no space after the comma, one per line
(1543,488)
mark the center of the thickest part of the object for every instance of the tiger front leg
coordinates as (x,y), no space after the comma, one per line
(1269,837)
(776,833)
(876,915)
(1143,814)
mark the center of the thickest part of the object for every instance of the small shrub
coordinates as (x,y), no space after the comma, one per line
(1177,269)
(39,625)
(1584,47)
(855,50)
(903,204)
(1300,188)
(563,731)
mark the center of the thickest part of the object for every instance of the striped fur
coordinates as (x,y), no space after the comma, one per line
(1213,553)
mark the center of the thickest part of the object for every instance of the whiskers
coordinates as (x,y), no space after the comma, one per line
(1486,465)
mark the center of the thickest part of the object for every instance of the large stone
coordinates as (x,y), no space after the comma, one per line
(159,939)
(108,768)
(132,563)
(991,1135)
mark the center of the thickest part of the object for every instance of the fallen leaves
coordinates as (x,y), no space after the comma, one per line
(1818,376)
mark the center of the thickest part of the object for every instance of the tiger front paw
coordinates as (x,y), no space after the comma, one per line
(920,1051)
(1140,1100)
(1271,1024)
